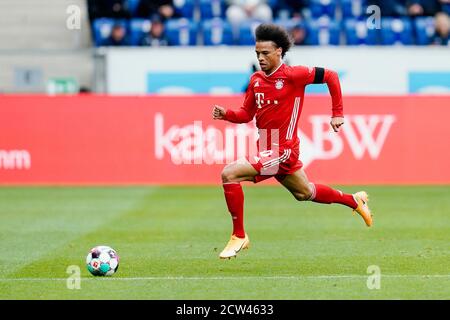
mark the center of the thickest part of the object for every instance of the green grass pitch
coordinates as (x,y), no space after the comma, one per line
(169,238)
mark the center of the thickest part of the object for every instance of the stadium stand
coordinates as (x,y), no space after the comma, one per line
(212,9)
(320,8)
(246,32)
(396,31)
(357,32)
(104,26)
(325,22)
(446,8)
(217,31)
(29,24)
(353,8)
(185,8)
(37,44)
(138,29)
(425,30)
(323,31)
(182,32)
(133,6)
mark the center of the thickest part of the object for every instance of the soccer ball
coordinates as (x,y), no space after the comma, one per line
(102,261)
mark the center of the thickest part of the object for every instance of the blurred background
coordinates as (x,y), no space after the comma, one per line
(90,72)
(64,46)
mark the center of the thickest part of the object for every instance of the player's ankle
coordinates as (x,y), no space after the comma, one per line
(240,235)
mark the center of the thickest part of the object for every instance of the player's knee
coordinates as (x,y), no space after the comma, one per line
(303,195)
(228,174)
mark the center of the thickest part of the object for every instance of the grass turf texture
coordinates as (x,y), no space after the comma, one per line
(169,238)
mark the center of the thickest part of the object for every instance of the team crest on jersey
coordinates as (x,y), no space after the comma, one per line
(279,84)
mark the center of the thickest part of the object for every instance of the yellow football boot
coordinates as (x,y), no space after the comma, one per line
(363,210)
(234,246)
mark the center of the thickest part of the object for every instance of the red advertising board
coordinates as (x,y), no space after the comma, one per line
(173,140)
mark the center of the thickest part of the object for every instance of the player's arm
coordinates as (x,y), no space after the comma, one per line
(307,76)
(242,115)
(331,78)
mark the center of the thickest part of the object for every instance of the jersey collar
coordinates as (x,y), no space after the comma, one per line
(281,64)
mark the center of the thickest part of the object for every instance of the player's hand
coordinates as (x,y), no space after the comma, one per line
(336,122)
(218,113)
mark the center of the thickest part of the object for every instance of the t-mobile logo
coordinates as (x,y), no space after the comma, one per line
(259,97)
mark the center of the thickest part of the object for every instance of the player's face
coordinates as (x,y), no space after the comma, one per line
(268,55)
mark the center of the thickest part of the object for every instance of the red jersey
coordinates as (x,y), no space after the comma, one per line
(277,100)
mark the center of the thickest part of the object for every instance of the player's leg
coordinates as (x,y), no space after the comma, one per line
(303,190)
(232,176)
(238,171)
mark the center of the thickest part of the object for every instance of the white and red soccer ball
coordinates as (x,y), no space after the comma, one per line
(102,261)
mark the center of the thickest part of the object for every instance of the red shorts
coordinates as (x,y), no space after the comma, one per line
(276,163)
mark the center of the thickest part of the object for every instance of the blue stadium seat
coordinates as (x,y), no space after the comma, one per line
(212,8)
(181,32)
(425,30)
(396,31)
(102,29)
(357,33)
(247,32)
(353,8)
(321,8)
(133,6)
(217,32)
(138,28)
(185,8)
(272,3)
(446,7)
(322,32)
(288,24)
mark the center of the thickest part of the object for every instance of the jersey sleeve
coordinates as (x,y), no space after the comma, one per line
(331,78)
(248,109)
(302,75)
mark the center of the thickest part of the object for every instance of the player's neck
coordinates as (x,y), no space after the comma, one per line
(268,73)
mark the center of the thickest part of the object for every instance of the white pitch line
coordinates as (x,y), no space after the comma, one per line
(233,278)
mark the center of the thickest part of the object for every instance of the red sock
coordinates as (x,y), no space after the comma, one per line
(325,194)
(235,202)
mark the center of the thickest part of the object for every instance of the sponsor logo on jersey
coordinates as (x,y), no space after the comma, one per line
(259,97)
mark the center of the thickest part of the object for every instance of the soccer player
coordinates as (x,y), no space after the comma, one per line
(275,97)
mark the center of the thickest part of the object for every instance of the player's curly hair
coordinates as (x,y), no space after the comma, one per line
(277,34)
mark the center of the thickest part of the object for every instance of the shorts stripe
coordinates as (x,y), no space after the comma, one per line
(286,155)
(276,159)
